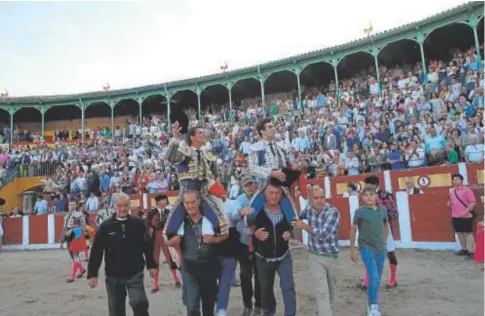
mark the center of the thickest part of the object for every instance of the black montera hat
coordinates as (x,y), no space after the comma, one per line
(179,116)
(291,177)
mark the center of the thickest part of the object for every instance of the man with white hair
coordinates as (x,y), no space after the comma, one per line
(474,151)
(124,242)
(410,188)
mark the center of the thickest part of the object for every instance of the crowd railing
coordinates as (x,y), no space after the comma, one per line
(39,169)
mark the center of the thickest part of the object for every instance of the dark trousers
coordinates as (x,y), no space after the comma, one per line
(266,272)
(247,267)
(200,284)
(117,289)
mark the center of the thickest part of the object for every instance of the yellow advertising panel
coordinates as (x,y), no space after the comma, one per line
(480,176)
(428,181)
(342,187)
(135,203)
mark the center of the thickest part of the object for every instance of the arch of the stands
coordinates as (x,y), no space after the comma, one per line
(460,27)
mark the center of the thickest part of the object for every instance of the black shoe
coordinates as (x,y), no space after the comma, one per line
(462,252)
(155,290)
(361,287)
(70,281)
(178,285)
(389,286)
(82,274)
(470,256)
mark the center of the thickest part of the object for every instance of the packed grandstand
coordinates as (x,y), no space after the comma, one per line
(366,113)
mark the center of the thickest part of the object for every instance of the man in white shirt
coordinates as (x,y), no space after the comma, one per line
(415,158)
(234,191)
(474,151)
(352,163)
(374,87)
(92,203)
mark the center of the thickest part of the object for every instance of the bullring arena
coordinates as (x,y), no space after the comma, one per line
(32,283)
(432,280)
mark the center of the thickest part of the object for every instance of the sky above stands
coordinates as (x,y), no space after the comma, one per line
(73,47)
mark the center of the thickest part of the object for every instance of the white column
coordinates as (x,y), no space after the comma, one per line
(402,200)
(304,234)
(327,187)
(463,171)
(25,231)
(388,181)
(51,229)
(353,206)
(145,201)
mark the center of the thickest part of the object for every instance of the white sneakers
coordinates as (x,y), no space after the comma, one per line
(373,310)
(221,312)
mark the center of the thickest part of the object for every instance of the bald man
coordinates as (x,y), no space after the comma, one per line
(322,228)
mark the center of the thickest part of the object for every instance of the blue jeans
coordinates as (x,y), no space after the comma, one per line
(374,263)
(266,273)
(226,279)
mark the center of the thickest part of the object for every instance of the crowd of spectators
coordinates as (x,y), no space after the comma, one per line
(405,121)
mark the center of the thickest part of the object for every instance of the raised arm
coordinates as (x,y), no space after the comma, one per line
(174,155)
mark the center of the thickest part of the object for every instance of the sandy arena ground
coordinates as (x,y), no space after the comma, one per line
(430,283)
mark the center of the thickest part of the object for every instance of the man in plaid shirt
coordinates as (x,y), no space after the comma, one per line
(323,228)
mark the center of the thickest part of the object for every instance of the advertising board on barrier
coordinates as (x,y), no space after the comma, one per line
(427,181)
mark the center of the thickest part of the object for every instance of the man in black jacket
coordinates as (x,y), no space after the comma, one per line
(124,241)
(272,253)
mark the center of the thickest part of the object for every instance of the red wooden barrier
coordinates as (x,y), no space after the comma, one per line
(342,204)
(320,182)
(431,217)
(475,173)
(38,229)
(12,231)
(59,226)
